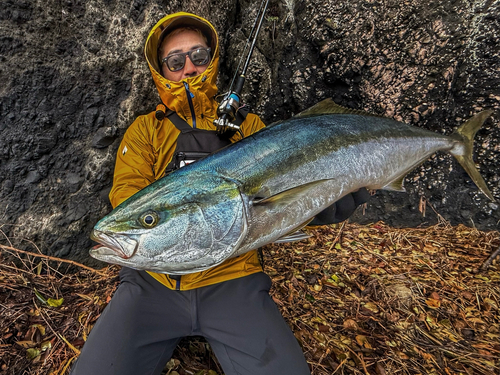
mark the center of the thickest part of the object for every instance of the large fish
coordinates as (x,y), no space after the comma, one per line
(267,186)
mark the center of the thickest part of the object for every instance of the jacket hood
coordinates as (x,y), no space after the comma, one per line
(202,87)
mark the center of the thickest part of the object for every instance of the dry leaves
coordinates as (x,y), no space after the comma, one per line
(47,312)
(409,301)
(360,300)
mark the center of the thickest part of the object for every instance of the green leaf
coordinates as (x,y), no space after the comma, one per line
(46,345)
(484,278)
(40,328)
(310,298)
(371,306)
(173,363)
(445,323)
(40,297)
(332,282)
(32,353)
(55,302)
(39,268)
(491,302)
(391,343)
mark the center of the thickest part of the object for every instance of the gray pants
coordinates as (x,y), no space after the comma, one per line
(140,328)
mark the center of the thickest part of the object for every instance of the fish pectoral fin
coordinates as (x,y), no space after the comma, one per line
(224,214)
(293,237)
(329,107)
(396,185)
(288,196)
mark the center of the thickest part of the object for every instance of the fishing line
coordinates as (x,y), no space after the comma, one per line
(228,108)
(248,42)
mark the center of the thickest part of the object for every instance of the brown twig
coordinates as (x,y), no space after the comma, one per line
(490,259)
(360,359)
(375,266)
(53,258)
(339,235)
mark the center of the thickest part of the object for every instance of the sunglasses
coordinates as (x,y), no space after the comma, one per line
(176,61)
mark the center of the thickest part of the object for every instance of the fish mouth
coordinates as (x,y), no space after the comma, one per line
(113,244)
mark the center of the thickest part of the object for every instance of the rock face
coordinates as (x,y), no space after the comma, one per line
(74,78)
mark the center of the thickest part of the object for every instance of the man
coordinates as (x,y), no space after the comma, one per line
(229,304)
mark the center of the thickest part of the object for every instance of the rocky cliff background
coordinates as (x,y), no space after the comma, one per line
(74,78)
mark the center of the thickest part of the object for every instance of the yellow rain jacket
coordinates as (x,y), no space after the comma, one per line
(149,144)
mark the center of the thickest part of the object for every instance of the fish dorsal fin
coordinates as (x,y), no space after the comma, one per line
(329,107)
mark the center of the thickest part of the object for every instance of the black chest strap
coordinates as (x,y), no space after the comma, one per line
(192,144)
(178,122)
(183,126)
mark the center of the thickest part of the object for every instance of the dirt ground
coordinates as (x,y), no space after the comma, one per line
(361,299)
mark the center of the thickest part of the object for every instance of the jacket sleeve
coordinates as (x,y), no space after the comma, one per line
(252,124)
(134,168)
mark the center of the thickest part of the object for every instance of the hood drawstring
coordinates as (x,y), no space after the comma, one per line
(190,97)
(161,109)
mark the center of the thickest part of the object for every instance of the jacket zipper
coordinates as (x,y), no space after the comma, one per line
(177,279)
(190,97)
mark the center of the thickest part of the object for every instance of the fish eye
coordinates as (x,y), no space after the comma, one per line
(149,219)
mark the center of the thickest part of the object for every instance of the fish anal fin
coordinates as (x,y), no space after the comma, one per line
(396,185)
(329,107)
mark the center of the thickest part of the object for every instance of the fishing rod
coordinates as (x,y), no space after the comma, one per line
(226,111)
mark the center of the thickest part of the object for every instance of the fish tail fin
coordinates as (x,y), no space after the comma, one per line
(465,134)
